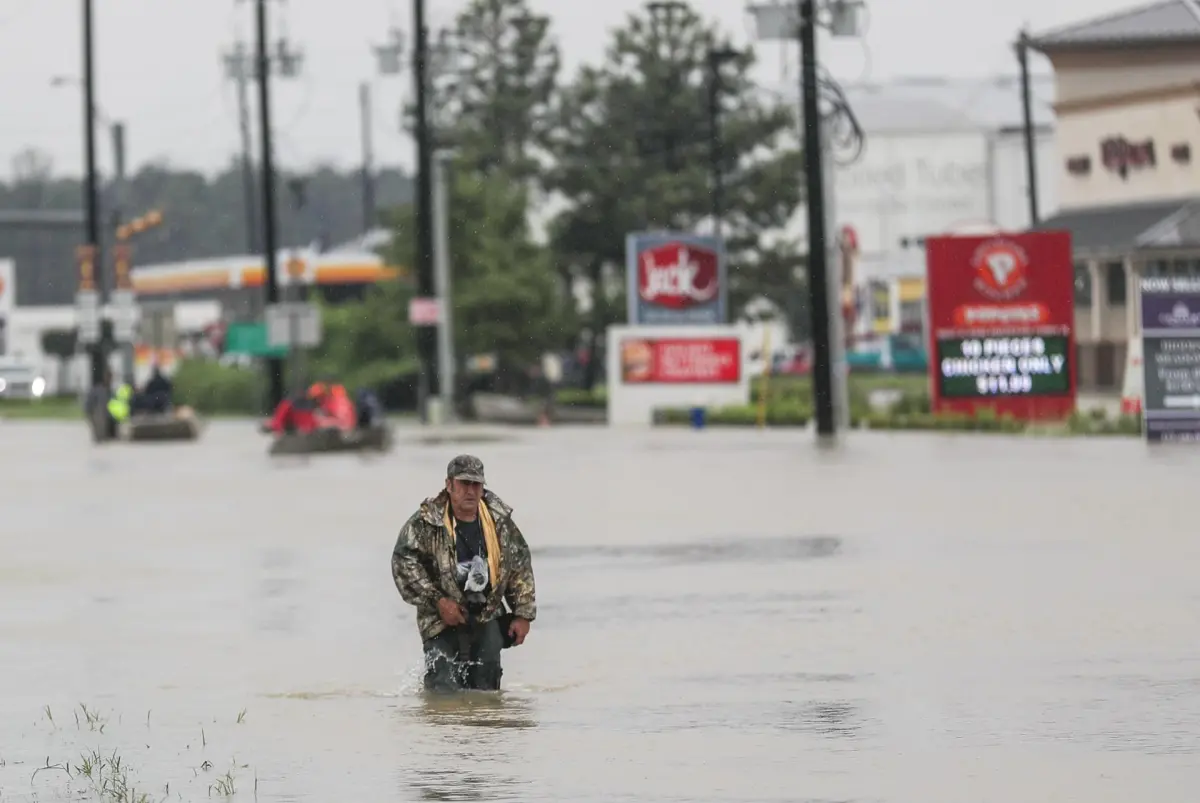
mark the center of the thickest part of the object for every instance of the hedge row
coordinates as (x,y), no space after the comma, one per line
(907,416)
(214,389)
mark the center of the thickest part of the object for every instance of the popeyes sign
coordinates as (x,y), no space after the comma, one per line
(675,278)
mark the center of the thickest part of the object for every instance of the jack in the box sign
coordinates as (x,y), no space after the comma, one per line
(675,278)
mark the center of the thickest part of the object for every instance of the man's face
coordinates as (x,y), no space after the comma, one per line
(464,493)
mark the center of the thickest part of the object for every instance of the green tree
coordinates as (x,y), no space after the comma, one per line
(497,72)
(504,295)
(631,151)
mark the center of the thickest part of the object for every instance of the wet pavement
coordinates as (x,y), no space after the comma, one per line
(724,616)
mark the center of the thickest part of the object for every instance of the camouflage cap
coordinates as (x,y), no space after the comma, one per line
(465,467)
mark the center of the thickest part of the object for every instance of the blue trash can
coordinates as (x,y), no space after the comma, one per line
(698,418)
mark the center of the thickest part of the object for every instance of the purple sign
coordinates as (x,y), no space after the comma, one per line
(1171,358)
(675,278)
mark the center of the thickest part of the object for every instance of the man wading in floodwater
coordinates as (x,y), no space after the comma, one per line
(458,559)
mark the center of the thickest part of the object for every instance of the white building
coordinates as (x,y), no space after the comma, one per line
(941,155)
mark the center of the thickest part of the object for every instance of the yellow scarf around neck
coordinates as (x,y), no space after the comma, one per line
(490,539)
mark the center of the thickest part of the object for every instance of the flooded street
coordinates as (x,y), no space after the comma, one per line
(723,616)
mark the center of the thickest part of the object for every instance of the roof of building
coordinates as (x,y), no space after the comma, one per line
(1124,229)
(919,105)
(1162,22)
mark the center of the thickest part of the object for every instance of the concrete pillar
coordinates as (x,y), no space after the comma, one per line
(1097,299)
(1133,304)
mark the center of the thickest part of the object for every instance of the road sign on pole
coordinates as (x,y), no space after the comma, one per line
(125,315)
(424,311)
(293,324)
(87,315)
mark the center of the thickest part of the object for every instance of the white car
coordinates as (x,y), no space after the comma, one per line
(21,382)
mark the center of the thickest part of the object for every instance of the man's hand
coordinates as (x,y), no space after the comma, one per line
(451,612)
(519,629)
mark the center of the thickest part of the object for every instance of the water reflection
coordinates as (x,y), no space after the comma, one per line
(475,709)
(744,549)
(471,738)
(462,783)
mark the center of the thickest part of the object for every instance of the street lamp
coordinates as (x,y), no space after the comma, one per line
(716,58)
(798,21)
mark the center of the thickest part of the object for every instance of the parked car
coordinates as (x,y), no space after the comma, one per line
(21,382)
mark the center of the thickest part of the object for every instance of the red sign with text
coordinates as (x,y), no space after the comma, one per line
(678,360)
(1001,323)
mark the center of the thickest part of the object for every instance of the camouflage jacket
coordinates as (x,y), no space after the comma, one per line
(425,557)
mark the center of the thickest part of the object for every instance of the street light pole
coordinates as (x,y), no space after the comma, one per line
(426,336)
(818,277)
(717,57)
(91,201)
(1023,45)
(274,364)
(441,167)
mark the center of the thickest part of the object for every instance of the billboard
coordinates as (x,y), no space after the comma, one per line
(1171,359)
(675,360)
(1001,322)
(673,278)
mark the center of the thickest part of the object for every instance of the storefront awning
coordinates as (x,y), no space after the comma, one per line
(1118,231)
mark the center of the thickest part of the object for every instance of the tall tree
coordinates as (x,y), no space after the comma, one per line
(503,291)
(497,71)
(631,149)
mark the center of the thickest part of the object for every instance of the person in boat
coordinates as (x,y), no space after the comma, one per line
(337,410)
(119,407)
(369,409)
(461,560)
(156,395)
(299,412)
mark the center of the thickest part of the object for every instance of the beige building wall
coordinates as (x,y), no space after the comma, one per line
(1167,123)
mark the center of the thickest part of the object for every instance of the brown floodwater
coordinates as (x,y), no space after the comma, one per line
(724,616)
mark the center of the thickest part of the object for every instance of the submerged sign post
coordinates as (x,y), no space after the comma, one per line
(1001,319)
(675,278)
(1171,359)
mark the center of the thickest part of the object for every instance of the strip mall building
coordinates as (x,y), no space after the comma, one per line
(1127,182)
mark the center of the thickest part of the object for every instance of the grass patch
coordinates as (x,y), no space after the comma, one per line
(106,776)
(49,408)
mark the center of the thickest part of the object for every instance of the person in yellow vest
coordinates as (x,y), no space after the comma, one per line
(118,407)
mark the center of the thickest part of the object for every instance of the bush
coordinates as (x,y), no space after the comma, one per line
(944,422)
(579,397)
(742,415)
(1097,422)
(211,388)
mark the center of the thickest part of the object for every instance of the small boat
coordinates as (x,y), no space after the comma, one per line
(178,425)
(181,424)
(377,437)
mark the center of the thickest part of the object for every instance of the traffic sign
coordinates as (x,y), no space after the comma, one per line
(87,314)
(424,311)
(293,323)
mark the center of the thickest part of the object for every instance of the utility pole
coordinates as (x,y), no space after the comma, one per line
(441,167)
(797,20)
(1024,43)
(426,337)
(717,57)
(124,302)
(240,68)
(818,270)
(368,157)
(287,61)
(91,275)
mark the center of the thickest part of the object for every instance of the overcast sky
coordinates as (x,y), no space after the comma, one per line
(159,67)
